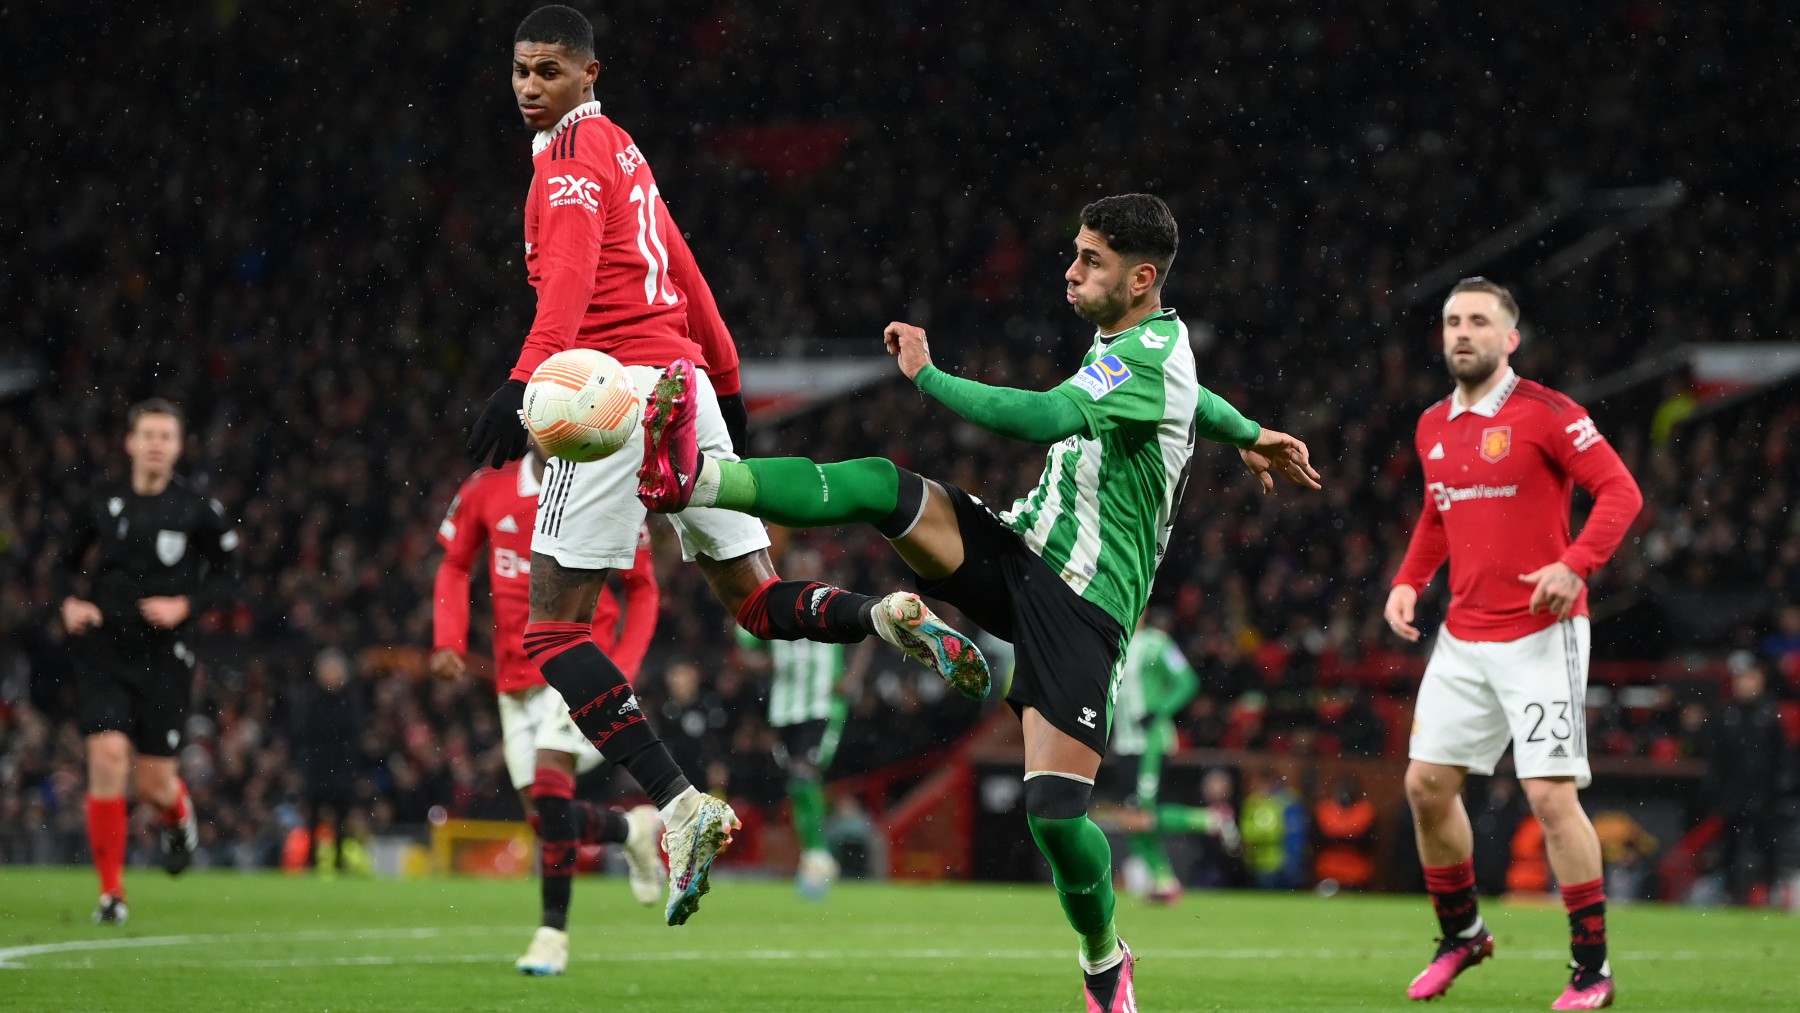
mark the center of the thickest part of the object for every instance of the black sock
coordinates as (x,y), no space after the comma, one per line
(812,610)
(556,853)
(606,710)
(1102,986)
(595,825)
(1587,935)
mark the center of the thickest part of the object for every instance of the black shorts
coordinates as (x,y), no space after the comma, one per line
(139,687)
(802,742)
(1067,649)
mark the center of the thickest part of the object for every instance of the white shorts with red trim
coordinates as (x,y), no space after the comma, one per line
(1478,696)
(534,719)
(588,514)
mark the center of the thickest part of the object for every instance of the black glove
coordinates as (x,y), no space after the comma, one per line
(737,421)
(500,428)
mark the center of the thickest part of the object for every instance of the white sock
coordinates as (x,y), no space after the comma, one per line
(1106,963)
(706,487)
(1474,930)
(668,811)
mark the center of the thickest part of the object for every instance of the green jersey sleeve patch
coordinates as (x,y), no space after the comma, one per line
(1102,377)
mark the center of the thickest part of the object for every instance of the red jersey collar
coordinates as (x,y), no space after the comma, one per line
(580,112)
(1489,406)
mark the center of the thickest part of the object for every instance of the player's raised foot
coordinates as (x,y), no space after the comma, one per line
(903,620)
(179,842)
(1454,956)
(671,441)
(111,910)
(643,856)
(1587,989)
(817,870)
(699,829)
(548,953)
(1110,991)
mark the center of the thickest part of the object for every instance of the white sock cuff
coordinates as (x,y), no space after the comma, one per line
(1029,774)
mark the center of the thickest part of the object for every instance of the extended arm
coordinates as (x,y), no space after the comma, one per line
(1035,416)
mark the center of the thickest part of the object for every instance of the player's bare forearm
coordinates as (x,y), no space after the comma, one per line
(1277,453)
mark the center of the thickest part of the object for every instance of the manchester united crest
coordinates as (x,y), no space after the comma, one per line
(1496,442)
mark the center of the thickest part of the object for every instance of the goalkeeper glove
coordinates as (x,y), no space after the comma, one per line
(737,421)
(501,427)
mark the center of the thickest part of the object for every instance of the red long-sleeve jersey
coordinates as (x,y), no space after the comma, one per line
(611,270)
(1498,478)
(496,508)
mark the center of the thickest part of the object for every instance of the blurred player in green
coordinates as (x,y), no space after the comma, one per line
(807,709)
(1155,683)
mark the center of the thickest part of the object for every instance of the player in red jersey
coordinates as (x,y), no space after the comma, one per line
(1501,455)
(495,509)
(613,272)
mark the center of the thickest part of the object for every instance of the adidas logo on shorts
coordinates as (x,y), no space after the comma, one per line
(1558,752)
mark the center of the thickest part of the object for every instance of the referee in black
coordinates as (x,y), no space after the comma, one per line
(164,555)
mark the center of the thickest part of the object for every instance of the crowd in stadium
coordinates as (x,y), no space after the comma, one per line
(318,259)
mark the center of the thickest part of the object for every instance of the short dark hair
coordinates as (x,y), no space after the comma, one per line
(1136,225)
(558,26)
(153,406)
(1493,288)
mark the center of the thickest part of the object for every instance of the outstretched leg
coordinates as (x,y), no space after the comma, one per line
(796,492)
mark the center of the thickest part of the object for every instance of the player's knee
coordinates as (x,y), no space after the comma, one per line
(1554,801)
(1057,796)
(1429,790)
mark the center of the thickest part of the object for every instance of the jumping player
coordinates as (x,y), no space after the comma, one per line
(613,272)
(1066,572)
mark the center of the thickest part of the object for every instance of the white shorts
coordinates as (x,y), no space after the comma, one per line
(534,719)
(588,514)
(1479,695)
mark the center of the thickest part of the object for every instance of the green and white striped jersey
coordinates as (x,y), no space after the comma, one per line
(1156,679)
(802,677)
(1100,515)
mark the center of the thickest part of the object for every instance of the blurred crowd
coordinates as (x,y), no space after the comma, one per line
(305,228)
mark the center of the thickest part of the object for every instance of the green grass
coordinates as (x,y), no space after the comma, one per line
(222,941)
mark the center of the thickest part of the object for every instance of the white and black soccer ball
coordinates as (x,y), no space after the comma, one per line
(581,405)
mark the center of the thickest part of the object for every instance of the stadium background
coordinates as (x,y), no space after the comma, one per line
(305,229)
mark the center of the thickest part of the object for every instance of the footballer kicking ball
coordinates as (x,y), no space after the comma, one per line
(581,405)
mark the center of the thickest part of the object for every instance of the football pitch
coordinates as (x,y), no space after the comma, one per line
(224,941)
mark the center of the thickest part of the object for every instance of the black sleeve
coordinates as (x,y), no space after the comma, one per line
(219,575)
(79,537)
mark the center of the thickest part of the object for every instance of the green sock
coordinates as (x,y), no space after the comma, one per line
(1081,867)
(1148,846)
(807,798)
(797,493)
(1184,819)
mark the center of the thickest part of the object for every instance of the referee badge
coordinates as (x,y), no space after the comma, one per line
(170,545)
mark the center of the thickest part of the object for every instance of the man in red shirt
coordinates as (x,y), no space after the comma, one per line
(612,272)
(1501,455)
(495,509)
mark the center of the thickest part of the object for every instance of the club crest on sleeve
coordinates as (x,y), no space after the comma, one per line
(1496,443)
(1103,376)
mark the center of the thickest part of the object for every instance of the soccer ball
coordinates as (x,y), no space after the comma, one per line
(581,405)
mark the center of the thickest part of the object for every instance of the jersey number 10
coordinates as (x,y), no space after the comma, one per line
(650,244)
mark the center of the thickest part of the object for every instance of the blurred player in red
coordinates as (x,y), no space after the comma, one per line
(495,509)
(1501,455)
(613,272)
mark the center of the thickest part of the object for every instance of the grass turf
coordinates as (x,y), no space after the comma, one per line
(223,941)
